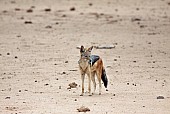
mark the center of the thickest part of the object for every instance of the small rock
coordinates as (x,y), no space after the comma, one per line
(72,9)
(7,97)
(109,67)
(69,88)
(149,42)
(18,36)
(90,4)
(73,70)
(135,19)
(83,109)
(19,90)
(32,6)
(111,22)
(16,57)
(73,85)
(127,83)
(46,84)
(152,33)
(28,22)
(4,11)
(160,97)
(17,9)
(64,15)
(59,87)
(47,9)
(81,13)
(75,100)
(137,9)
(13,2)
(29,11)
(142,26)
(115,59)
(48,26)
(105,47)
(64,72)
(66,61)
(8,53)
(22,18)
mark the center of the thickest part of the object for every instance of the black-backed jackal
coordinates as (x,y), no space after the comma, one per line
(91,65)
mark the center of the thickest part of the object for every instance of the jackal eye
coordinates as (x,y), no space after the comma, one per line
(82,52)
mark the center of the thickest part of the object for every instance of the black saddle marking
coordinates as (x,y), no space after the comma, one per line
(93,59)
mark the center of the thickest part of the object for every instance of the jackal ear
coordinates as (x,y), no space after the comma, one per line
(90,49)
(82,49)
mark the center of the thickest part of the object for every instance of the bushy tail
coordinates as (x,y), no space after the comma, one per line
(104,78)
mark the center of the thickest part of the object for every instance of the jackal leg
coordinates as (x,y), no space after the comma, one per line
(93,80)
(89,85)
(100,84)
(82,79)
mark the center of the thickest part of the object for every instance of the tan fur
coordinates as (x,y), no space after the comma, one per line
(91,71)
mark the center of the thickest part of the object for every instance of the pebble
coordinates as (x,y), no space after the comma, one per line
(47,9)
(160,97)
(72,9)
(29,11)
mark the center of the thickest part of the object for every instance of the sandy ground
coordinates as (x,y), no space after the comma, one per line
(38,55)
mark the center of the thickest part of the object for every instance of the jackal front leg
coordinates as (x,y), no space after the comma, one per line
(89,85)
(94,82)
(82,79)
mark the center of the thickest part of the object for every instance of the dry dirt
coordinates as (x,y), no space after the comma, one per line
(39,58)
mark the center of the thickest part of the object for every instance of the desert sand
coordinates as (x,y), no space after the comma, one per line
(39,55)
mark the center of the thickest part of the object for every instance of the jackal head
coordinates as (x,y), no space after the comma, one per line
(85,53)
